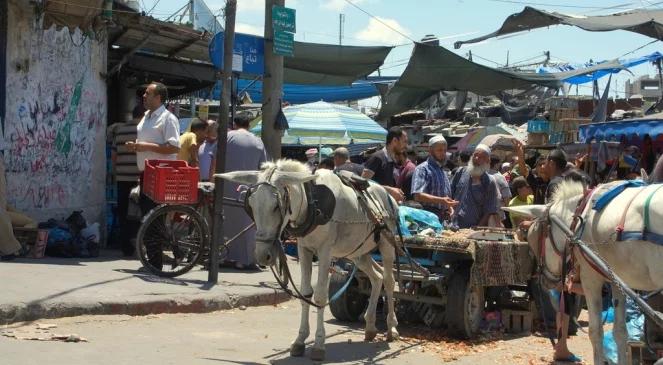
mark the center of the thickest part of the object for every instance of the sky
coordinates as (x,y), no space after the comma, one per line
(451,20)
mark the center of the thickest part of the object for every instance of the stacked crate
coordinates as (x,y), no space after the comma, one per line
(564,120)
(537,132)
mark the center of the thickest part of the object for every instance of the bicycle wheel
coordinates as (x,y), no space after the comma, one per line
(171,239)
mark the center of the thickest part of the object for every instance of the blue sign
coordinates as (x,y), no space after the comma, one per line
(250,47)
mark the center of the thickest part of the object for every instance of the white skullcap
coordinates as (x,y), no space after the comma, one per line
(482,147)
(506,165)
(436,139)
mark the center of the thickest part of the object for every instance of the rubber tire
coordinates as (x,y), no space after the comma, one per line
(459,295)
(158,212)
(351,304)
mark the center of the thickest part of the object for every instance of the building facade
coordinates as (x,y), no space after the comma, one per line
(53,113)
(648,87)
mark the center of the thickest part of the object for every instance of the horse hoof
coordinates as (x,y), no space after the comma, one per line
(370,335)
(317,354)
(392,336)
(297,350)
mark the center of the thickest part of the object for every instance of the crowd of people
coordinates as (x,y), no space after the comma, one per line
(464,190)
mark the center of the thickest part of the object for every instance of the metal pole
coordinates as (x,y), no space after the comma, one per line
(657,317)
(660,76)
(224,112)
(271,86)
(341,21)
(234,100)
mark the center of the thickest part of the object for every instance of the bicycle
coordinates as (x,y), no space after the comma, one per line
(173,238)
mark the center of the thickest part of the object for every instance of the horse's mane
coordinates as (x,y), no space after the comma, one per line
(568,189)
(286,165)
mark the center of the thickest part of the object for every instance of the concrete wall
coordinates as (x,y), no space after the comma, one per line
(55,118)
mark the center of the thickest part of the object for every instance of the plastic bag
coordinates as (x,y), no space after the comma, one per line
(92,235)
(635,325)
(412,221)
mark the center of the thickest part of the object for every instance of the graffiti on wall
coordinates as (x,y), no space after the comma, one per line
(55,122)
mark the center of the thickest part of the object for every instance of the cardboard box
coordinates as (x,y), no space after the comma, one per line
(537,139)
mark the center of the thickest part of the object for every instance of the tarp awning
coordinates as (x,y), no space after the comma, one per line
(588,77)
(433,68)
(328,64)
(312,63)
(300,94)
(605,131)
(646,22)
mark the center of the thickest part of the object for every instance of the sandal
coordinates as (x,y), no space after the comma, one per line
(573,359)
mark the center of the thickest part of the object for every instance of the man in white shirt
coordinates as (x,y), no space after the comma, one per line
(159,131)
(158,138)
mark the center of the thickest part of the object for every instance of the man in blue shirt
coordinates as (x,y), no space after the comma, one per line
(430,184)
(476,192)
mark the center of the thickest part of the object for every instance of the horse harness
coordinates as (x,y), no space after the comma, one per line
(566,253)
(320,205)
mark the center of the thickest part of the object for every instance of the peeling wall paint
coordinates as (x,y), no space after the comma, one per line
(55,119)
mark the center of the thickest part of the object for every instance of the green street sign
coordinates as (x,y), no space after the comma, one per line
(283,18)
(284,43)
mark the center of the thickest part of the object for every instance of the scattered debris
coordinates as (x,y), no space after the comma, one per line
(40,332)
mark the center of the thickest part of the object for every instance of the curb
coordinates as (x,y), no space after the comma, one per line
(35,311)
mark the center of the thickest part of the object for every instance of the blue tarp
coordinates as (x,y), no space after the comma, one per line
(302,94)
(604,131)
(635,325)
(581,79)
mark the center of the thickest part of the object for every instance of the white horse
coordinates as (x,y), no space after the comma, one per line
(637,262)
(278,198)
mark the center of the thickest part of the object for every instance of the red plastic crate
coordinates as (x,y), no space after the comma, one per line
(171,181)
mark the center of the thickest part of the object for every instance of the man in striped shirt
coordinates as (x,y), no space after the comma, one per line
(126,175)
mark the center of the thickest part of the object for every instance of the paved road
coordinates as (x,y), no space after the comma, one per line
(257,335)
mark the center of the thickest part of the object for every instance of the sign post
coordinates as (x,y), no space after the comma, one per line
(283,24)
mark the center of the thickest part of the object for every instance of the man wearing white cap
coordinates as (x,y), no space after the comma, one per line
(430,184)
(476,192)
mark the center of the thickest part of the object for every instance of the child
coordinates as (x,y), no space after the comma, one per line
(189,142)
(523,197)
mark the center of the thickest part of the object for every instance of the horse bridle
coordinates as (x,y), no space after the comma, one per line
(577,226)
(282,205)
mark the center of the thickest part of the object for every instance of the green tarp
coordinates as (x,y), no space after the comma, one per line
(328,64)
(644,21)
(432,69)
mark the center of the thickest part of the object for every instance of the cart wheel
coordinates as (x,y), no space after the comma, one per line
(171,240)
(465,305)
(351,304)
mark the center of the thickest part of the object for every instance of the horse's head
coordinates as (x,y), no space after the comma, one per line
(546,240)
(269,202)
